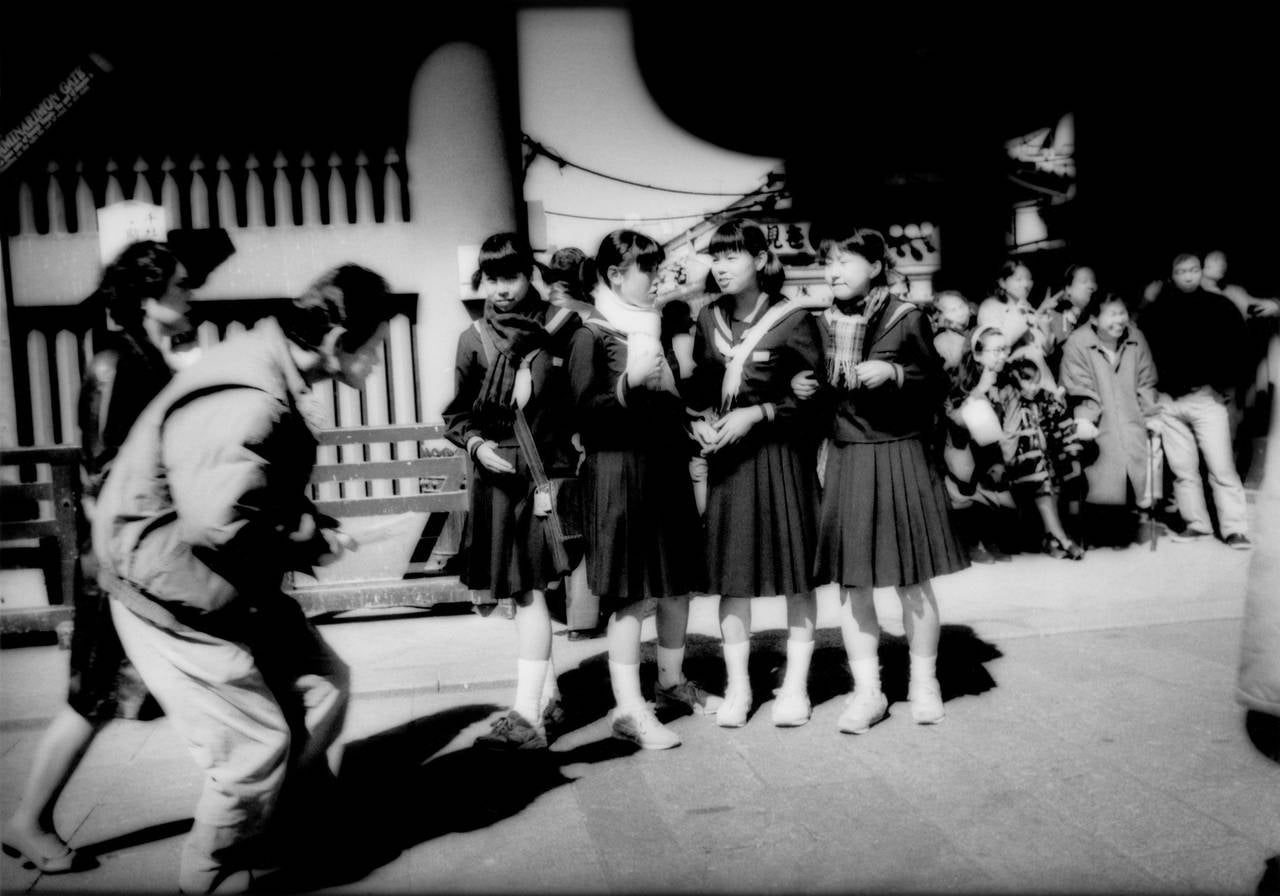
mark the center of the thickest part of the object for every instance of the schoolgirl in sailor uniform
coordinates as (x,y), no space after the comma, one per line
(884,519)
(515,355)
(762,492)
(644,536)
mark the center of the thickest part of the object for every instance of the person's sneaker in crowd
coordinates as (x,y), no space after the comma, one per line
(791,709)
(513,732)
(926,701)
(1074,550)
(1239,541)
(733,711)
(641,727)
(688,696)
(862,710)
(1188,534)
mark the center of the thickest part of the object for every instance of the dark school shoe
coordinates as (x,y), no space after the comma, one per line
(512,732)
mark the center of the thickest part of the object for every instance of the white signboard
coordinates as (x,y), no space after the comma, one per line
(124,223)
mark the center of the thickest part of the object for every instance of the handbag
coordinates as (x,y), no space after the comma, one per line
(557,501)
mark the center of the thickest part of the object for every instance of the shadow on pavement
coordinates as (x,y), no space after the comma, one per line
(395,792)
(962,659)
(150,834)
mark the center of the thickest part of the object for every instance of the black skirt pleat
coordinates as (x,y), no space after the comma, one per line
(505,546)
(761,520)
(644,536)
(884,517)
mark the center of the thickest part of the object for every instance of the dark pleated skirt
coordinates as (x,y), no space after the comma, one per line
(644,535)
(505,546)
(885,518)
(761,520)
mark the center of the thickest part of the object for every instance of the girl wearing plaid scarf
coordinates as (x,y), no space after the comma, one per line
(884,518)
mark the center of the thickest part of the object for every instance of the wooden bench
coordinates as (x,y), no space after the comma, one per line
(433,480)
(39,508)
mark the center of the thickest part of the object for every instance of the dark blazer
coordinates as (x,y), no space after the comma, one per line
(901,334)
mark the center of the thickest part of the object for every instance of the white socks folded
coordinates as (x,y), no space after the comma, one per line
(924,668)
(531,680)
(866,674)
(625,681)
(796,678)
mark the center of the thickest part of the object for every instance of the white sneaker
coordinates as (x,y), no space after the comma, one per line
(641,727)
(791,709)
(926,701)
(733,712)
(862,710)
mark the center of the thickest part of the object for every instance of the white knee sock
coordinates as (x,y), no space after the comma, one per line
(735,665)
(625,680)
(531,676)
(866,674)
(550,688)
(796,679)
(670,666)
(924,668)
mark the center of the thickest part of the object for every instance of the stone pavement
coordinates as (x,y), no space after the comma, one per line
(1091,745)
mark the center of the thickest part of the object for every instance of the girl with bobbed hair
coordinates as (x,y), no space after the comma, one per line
(884,519)
(514,356)
(762,494)
(644,536)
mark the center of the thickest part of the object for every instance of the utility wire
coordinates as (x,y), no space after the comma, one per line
(538,149)
(704,215)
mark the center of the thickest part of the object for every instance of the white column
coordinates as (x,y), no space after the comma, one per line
(461,190)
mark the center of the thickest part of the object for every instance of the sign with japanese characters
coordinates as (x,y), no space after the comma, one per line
(125,223)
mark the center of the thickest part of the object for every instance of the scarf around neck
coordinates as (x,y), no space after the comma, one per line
(641,327)
(517,336)
(848,324)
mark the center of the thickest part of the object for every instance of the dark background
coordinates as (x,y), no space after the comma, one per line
(883,116)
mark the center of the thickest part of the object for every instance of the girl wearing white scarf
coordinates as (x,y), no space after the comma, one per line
(645,536)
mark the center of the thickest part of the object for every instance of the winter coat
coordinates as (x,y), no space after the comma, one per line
(1117,398)
(205,507)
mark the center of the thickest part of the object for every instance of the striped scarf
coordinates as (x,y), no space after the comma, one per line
(846,343)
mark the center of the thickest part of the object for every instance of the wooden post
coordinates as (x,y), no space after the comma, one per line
(8,401)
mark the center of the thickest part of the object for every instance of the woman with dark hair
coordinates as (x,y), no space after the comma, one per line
(570,276)
(1063,310)
(513,360)
(999,400)
(143,301)
(762,494)
(1009,310)
(644,537)
(884,520)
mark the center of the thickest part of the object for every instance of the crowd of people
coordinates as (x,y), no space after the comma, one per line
(752,442)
